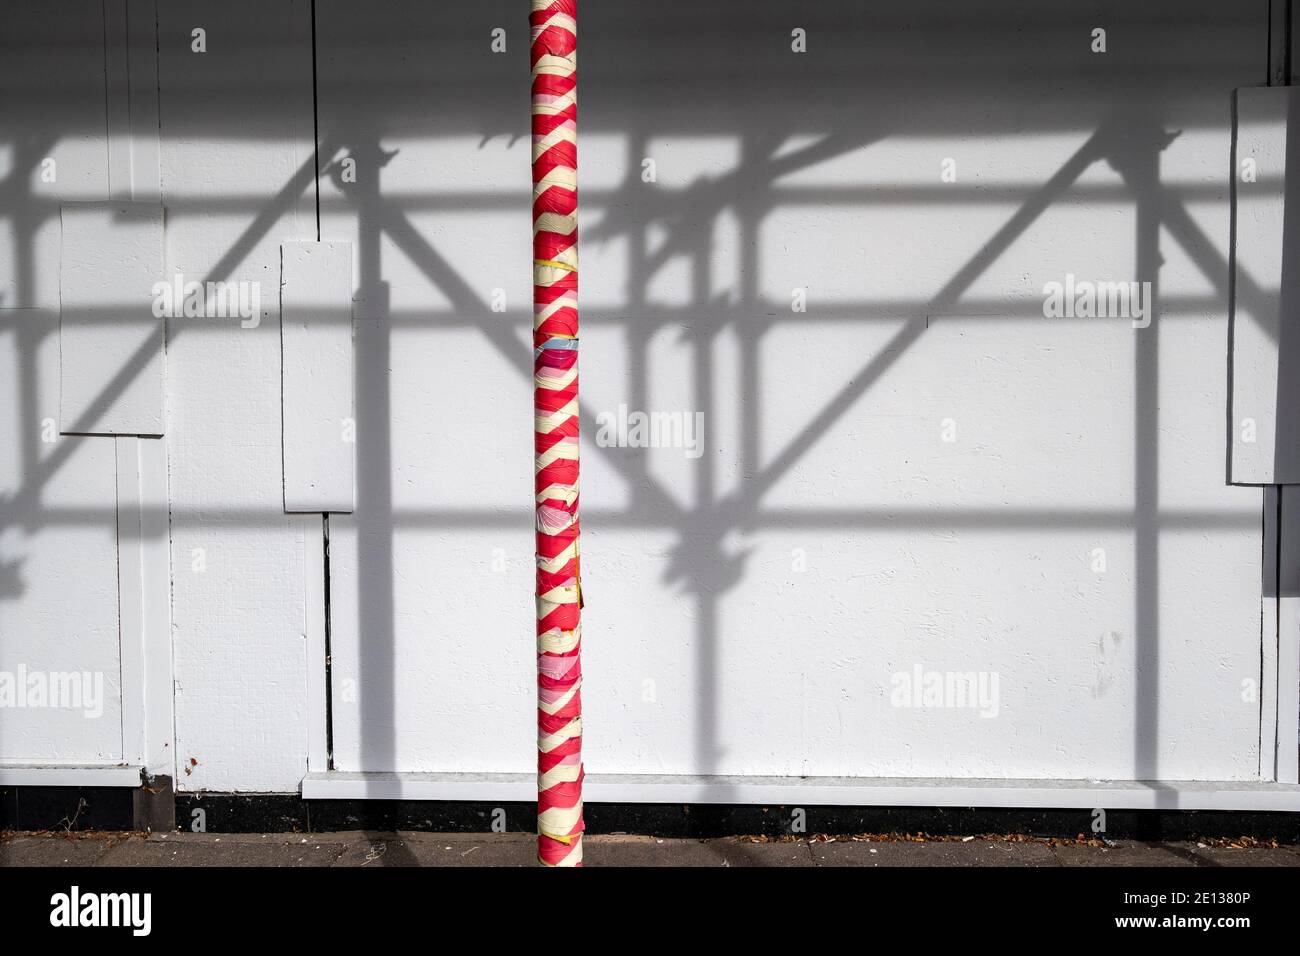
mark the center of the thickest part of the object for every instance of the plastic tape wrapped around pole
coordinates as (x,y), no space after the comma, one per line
(555,401)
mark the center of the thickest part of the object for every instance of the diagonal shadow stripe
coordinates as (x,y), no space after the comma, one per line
(740,507)
(254,233)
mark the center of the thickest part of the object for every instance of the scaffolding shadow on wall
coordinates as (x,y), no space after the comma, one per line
(1130,139)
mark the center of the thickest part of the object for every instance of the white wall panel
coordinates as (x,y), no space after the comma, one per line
(58,562)
(58,523)
(316,342)
(750,607)
(1265,426)
(110,338)
(53,140)
(237,160)
(922,471)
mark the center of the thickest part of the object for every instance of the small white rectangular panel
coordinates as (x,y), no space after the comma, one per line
(111,343)
(316,342)
(1265,351)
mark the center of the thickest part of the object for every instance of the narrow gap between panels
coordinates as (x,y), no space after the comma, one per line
(1277,637)
(329,662)
(315,134)
(325,518)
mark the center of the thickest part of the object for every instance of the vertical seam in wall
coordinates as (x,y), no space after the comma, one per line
(315,127)
(157,78)
(117,558)
(1263,554)
(166,453)
(1273,579)
(1229,411)
(130,126)
(325,518)
(1286,43)
(1276,637)
(1279,43)
(1276,74)
(1279,74)
(1272,19)
(108,132)
(329,663)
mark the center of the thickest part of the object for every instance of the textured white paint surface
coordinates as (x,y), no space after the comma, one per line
(237,175)
(316,344)
(748,610)
(156,578)
(130,598)
(315,651)
(58,555)
(1265,438)
(63,154)
(110,340)
(58,521)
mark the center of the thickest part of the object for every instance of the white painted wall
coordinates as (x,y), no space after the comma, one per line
(237,159)
(58,531)
(748,609)
(59,538)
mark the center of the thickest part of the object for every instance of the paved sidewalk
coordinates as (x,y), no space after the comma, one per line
(516,849)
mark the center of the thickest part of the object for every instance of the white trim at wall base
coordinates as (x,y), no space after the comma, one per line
(818,791)
(85,775)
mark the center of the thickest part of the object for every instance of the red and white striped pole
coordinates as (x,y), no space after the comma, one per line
(555,409)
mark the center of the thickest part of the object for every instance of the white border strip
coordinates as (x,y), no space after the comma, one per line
(117,79)
(818,791)
(144,603)
(1269,606)
(142,83)
(156,617)
(130,596)
(89,775)
(314,594)
(1288,641)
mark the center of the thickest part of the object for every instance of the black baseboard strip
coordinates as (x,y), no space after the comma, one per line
(118,808)
(255,813)
(67,808)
